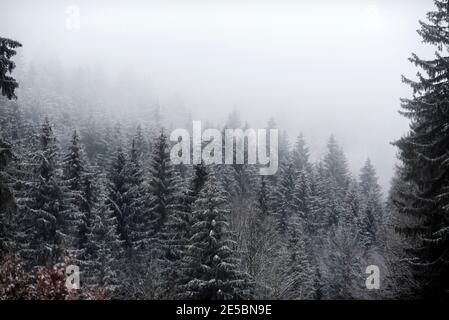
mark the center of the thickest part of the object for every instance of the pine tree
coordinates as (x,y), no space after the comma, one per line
(45,215)
(103,251)
(7,201)
(141,144)
(259,240)
(334,179)
(162,186)
(352,215)
(72,163)
(73,174)
(300,155)
(372,207)
(7,83)
(423,152)
(317,204)
(284,198)
(212,264)
(89,196)
(298,278)
(119,199)
(117,189)
(199,179)
(399,282)
(335,164)
(126,201)
(174,239)
(138,218)
(343,276)
(168,217)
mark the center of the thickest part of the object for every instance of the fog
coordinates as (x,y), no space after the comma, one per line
(317,67)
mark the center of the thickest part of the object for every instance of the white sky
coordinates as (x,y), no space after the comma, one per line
(319,67)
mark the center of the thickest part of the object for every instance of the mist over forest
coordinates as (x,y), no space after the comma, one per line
(92,90)
(319,68)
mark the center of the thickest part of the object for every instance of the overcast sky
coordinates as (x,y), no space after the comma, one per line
(319,67)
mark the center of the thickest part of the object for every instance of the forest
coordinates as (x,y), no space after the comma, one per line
(88,185)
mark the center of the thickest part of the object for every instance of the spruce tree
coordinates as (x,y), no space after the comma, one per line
(73,164)
(161,187)
(7,202)
(334,179)
(45,212)
(103,252)
(335,164)
(423,152)
(7,83)
(73,173)
(298,278)
(259,240)
(119,200)
(300,154)
(343,263)
(168,218)
(138,219)
(284,197)
(211,261)
(372,215)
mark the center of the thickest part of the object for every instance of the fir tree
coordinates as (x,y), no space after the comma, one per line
(212,265)
(423,151)
(335,164)
(168,217)
(7,202)
(343,278)
(117,188)
(73,166)
(138,218)
(74,176)
(284,199)
(161,186)
(300,154)
(141,144)
(298,273)
(259,239)
(45,214)
(122,198)
(7,83)
(103,251)
(372,207)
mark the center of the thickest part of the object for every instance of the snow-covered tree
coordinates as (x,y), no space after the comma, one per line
(344,276)
(162,187)
(7,83)
(285,200)
(118,196)
(300,154)
(102,264)
(73,176)
(423,152)
(7,202)
(260,241)
(211,261)
(298,274)
(335,164)
(45,212)
(372,206)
